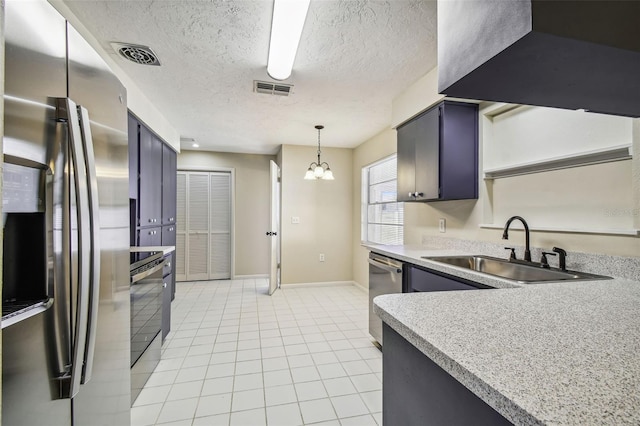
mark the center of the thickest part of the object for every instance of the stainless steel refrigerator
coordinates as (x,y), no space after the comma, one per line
(65,323)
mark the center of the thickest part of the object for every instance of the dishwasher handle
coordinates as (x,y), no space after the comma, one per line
(385,266)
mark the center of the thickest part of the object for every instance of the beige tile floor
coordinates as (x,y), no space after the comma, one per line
(236,356)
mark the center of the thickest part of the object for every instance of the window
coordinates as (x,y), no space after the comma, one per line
(382,216)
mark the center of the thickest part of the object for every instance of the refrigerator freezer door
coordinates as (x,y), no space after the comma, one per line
(105,399)
(28,391)
(33,355)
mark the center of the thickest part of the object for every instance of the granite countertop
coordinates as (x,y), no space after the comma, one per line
(554,353)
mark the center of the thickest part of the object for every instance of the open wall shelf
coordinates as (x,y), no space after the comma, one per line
(606,155)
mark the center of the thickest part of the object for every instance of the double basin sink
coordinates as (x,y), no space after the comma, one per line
(523,273)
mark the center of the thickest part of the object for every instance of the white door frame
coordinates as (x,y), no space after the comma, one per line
(274,227)
(232,172)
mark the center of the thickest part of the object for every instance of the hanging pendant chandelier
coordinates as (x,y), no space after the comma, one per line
(319,170)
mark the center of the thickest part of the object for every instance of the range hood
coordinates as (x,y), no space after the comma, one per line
(563,54)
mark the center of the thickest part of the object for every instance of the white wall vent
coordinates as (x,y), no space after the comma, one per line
(137,53)
(272,88)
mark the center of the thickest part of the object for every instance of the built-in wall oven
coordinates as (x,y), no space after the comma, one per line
(146,318)
(385,276)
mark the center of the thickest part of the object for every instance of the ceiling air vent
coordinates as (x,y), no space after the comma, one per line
(139,54)
(272,88)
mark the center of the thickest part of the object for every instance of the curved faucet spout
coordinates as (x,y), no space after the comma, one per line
(505,235)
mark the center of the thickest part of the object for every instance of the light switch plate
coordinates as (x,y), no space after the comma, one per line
(295,220)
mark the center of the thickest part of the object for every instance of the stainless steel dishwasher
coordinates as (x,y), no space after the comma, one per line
(385,276)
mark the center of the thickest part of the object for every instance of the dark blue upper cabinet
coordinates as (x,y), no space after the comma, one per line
(150,182)
(438,154)
(169,159)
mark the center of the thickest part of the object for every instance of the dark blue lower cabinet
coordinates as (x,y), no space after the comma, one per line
(168,283)
(423,280)
(417,392)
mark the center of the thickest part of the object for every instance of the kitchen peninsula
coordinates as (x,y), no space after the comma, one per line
(555,353)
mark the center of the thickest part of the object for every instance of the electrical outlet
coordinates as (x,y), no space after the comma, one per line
(321,257)
(295,220)
(442,225)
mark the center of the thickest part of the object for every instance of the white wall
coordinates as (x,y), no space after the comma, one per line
(416,98)
(252,195)
(527,134)
(325,212)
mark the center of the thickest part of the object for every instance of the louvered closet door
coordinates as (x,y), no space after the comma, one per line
(220,220)
(197,226)
(181,227)
(203,222)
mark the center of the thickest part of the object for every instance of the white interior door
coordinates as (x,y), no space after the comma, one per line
(274,232)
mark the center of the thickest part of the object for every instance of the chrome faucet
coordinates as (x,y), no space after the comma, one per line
(505,235)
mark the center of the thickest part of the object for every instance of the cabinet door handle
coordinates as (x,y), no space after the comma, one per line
(171,229)
(164,285)
(411,194)
(419,194)
(168,264)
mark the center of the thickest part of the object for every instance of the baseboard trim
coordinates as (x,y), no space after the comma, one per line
(249,277)
(320,284)
(361,287)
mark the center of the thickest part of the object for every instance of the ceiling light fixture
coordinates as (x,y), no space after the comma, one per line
(286,28)
(318,170)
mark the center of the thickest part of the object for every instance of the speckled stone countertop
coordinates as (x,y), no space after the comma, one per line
(555,353)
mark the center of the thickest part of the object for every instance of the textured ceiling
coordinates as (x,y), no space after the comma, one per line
(354,58)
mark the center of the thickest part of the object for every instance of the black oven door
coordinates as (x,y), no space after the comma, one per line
(146,306)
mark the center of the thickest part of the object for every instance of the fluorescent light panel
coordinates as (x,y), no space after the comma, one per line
(286,29)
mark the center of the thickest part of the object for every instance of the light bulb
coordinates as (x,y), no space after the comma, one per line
(318,172)
(328,174)
(309,175)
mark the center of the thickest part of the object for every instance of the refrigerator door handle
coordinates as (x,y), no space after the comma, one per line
(94,224)
(84,249)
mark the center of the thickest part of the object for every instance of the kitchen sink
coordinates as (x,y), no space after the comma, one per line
(515,271)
